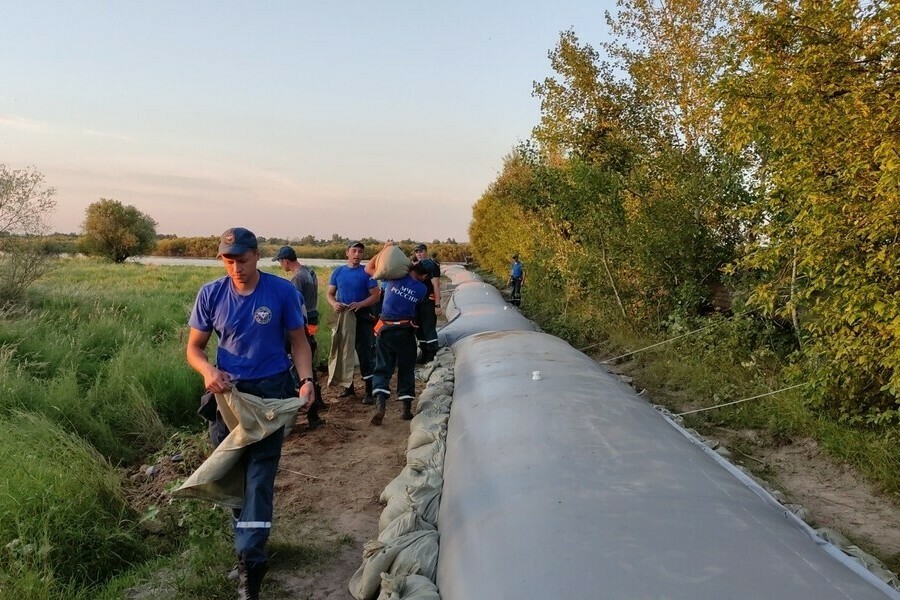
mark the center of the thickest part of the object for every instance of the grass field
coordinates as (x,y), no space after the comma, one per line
(93,379)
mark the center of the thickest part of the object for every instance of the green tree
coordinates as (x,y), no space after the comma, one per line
(651,196)
(25,206)
(675,52)
(117,231)
(815,99)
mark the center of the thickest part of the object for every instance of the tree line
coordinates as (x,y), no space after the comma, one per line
(720,155)
(117,231)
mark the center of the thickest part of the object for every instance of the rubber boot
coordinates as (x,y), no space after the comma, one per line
(250,581)
(317,406)
(348,391)
(380,405)
(321,405)
(407,410)
(368,399)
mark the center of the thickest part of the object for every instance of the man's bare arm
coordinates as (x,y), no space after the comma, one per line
(214,380)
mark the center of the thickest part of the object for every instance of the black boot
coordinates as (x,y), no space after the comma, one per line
(315,420)
(348,391)
(407,410)
(368,399)
(250,581)
(380,405)
(320,404)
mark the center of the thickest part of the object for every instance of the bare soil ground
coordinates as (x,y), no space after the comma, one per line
(328,486)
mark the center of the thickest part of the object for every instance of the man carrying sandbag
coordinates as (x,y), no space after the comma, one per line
(404,292)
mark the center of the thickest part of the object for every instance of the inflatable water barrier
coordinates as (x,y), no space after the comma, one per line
(561,482)
(533,473)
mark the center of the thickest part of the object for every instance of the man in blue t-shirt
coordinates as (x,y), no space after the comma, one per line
(516,279)
(396,345)
(250,313)
(351,289)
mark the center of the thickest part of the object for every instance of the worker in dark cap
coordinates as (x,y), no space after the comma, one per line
(250,312)
(430,308)
(304,279)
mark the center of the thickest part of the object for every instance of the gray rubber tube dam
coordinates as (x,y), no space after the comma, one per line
(561,482)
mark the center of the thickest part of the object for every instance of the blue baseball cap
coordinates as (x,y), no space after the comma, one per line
(237,240)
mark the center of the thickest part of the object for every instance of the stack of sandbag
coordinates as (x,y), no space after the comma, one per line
(401,564)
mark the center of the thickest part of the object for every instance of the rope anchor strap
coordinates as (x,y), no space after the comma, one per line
(784,389)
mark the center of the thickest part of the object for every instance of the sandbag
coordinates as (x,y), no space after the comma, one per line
(407,587)
(439,403)
(390,263)
(429,455)
(414,552)
(426,432)
(407,522)
(424,500)
(411,477)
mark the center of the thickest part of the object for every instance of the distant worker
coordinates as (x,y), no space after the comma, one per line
(431,307)
(352,293)
(304,280)
(516,279)
(250,312)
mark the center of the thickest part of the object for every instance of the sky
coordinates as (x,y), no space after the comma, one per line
(373,118)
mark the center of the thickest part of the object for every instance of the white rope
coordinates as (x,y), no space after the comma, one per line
(790,387)
(609,360)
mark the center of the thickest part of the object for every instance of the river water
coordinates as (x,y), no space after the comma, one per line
(215,262)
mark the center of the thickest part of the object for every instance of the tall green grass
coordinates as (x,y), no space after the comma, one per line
(99,349)
(93,374)
(64,521)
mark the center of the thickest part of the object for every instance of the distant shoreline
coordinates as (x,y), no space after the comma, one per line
(215,262)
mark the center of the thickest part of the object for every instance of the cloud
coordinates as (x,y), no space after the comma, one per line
(23,124)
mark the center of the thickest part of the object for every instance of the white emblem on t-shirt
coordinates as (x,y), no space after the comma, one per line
(262,315)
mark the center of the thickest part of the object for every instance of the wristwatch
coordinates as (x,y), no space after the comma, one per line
(305,379)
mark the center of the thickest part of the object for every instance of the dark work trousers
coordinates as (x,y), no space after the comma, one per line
(516,286)
(396,346)
(253,522)
(516,295)
(427,331)
(365,343)
(312,412)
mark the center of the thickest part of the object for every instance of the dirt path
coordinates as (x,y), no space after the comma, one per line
(328,488)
